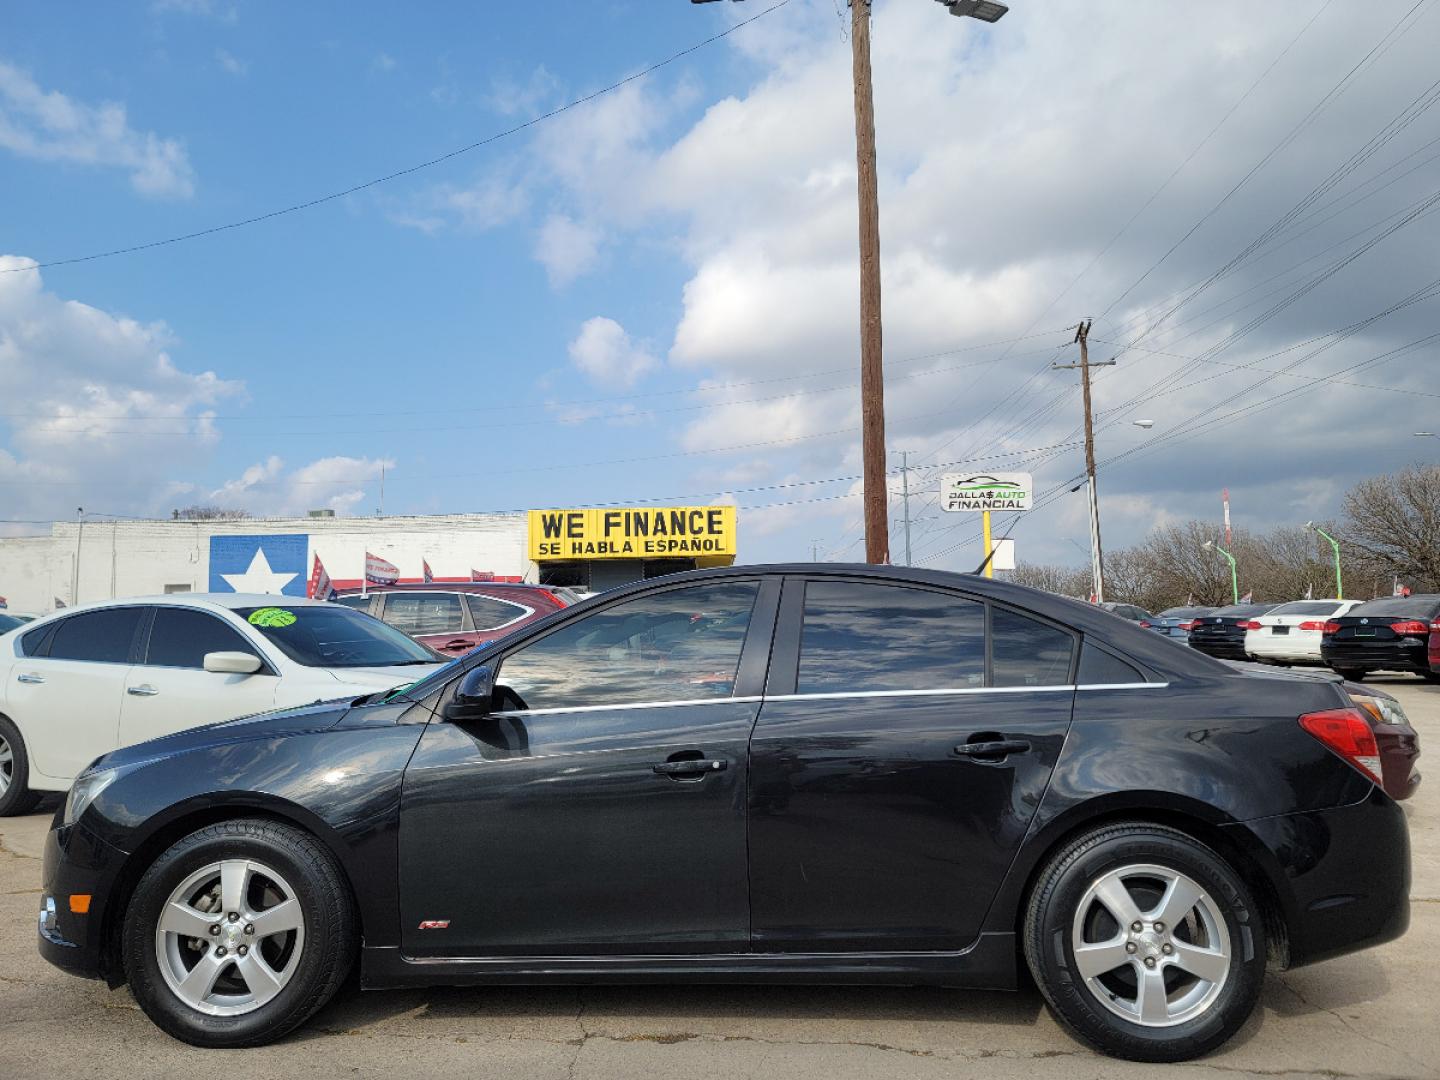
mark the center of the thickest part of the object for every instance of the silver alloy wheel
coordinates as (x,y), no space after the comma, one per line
(230,937)
(7,765)
(1151,945)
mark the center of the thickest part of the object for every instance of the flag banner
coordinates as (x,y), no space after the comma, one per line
(378,571)
(482,575)
(1248,598)
(425,571)
(320,587)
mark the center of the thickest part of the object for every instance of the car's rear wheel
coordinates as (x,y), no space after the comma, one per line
(1145,942)
(238,933)
(15,797)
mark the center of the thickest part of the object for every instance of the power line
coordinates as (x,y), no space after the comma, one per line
(411,169)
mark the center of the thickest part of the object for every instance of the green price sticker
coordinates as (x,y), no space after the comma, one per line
(272,617)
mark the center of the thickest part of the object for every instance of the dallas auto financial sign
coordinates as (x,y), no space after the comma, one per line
(960,492)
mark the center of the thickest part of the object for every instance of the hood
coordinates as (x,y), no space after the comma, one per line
(315,717)
(382,678)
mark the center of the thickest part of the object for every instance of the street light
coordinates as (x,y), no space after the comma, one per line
(1146,424)
(1426,435)
(1335,546)
(1234,576)
(872,375)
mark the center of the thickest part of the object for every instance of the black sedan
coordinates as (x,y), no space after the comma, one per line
(827,774)
(1222,632)
(1389,634)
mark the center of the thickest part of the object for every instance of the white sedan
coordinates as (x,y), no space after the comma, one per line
(89,679)
(1291,633)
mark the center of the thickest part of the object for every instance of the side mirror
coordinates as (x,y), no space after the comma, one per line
(232,663)
(472,696)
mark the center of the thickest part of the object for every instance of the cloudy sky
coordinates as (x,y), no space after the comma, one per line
(652,296)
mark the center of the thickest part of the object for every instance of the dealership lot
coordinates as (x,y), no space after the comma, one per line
(1369,1014)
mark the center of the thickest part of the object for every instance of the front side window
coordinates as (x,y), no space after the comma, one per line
(180,638)
(861,636)
(102,636)
(1026,652)
(678,645)
(424,613)
(328,635)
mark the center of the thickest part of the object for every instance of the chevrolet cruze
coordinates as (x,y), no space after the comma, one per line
(795,773)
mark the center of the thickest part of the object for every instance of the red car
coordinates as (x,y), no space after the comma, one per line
(454,617)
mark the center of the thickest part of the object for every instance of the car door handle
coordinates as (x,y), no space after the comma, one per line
(143,690)
(29,677)
(458,643)
(691,767)
(992,748)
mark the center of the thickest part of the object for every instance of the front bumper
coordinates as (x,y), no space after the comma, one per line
(77,865)
(1342,876)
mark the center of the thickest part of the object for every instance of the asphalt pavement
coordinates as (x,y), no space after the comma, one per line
(1371,1014)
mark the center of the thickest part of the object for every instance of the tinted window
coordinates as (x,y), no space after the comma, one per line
(328,635)
(1099,668)
(680,645)
(360,603)
(180,637)
(102,636)
(1184,612)
(489,612)
(1237,611)
(33,643)
(860,636)
(8,623)
(424,612)
(1417,607)
(1306,607)
(1024,652)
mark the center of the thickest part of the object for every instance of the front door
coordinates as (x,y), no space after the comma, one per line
(896,764)
(601,807)
(169,690)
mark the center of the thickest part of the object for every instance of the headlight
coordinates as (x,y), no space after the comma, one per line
(1384,709)
(83,792)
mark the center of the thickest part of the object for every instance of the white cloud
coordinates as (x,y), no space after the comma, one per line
(335,483)
(566,248)
(604,352)
(49,126)
(492,201)
(93,402)
(511,98)
(232,65)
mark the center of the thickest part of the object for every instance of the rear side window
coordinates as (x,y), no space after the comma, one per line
(860,636)
(489,613)
(180,638)
(359,603)
(1099,668)
(424,613)
(33,643)
(1025,652)
(102,636)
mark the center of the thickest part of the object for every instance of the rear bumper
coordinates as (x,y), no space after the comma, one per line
(76,864)
(1221,648)
(1381,656)
(1297,648)
(1342,876)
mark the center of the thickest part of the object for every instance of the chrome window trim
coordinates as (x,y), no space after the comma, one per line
(939,692)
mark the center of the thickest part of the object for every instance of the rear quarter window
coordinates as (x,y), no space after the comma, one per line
(1100,668)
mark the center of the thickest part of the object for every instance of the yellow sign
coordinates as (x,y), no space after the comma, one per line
(671,532)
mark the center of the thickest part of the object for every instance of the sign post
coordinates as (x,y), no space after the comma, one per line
(985,492)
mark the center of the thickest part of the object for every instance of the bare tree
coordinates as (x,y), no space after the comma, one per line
(1394,523)
(1062,580)
(209,513)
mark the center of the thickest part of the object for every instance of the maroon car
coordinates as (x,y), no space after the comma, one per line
(454,617)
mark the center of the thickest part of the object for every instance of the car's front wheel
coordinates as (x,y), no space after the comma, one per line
(1145,942)
(238,933)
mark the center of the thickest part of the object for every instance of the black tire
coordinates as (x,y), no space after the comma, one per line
(1351,674)
(1049,950)
(330,936)
(17,799)
(1430,676)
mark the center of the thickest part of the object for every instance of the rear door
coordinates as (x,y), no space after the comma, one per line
(67,699)
(438,619)
(169,689)
(905,740)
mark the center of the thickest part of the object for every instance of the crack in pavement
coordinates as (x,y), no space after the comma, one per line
(1345,1023)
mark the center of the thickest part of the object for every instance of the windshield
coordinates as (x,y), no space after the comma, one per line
(1414,606)
(333,636)
(1306,607)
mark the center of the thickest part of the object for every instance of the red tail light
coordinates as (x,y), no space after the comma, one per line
(1144,624)
(1311,624)
(1332,627)
(1248,624)
(1411,628)
(1188,625)
(1347,733)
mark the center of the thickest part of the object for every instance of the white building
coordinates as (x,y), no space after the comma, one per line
(139,558)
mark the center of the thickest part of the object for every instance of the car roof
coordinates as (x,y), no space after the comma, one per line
(228,601)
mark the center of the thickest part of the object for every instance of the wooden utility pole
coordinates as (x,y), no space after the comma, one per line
(872,374)
(1097,558)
